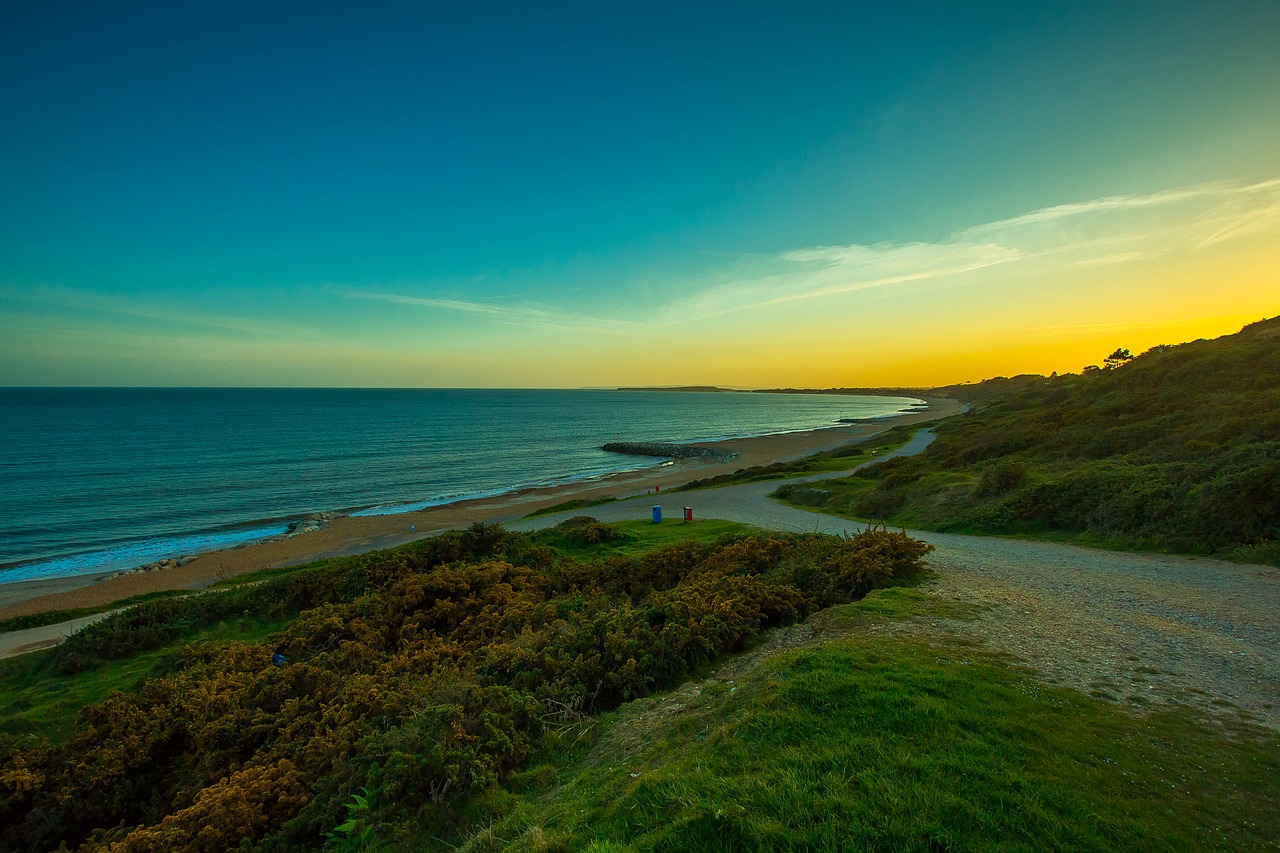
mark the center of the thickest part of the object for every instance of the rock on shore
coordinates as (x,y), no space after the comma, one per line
(157,566)
(311,523)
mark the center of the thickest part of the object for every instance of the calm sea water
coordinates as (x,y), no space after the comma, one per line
(97,479)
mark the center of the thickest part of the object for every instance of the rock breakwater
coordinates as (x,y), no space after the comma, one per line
(669,450)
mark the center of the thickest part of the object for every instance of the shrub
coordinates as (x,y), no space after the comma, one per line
(585,530)
(1001,477)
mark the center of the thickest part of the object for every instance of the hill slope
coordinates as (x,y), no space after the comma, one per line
(1177,449)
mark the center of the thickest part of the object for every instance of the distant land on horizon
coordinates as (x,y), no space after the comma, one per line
(691,388)
(875,392)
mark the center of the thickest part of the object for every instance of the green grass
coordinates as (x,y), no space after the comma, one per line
(901,602)
(902,744)
(640,536)
(259,575)
(35,699)
(945,501)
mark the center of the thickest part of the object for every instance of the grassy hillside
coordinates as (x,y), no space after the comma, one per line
(1177,449)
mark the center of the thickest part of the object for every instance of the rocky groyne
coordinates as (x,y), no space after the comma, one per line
(669,450)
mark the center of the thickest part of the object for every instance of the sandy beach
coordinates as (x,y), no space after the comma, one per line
(354,535)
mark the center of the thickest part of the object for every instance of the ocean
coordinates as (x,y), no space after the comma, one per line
(96,479)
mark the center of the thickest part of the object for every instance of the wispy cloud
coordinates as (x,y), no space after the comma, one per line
(826,271)
(1117,258)
(515,315)
(1109,204)
(1190,217)
(1102,232)
(111,308)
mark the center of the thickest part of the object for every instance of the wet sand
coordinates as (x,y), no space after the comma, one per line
(355,535)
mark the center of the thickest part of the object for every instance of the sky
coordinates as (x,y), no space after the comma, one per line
(598,194)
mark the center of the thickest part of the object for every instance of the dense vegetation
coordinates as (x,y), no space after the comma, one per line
(400,685)
(1178,449)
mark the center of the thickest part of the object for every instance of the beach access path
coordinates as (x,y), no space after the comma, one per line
(14,643)
(1144,630)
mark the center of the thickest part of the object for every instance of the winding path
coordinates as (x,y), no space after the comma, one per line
(1142,629)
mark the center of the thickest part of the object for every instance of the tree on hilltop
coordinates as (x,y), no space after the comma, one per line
(1117,358)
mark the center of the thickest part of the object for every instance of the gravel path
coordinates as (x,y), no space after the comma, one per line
(1139,629)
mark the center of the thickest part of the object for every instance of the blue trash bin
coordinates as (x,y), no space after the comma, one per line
(657,514)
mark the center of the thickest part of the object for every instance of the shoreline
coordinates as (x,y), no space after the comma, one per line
(351,534)
(272,527)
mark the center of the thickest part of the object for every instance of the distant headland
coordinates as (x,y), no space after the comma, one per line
(699,388)
(870,392)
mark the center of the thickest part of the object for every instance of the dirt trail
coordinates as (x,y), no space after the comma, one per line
(14,643)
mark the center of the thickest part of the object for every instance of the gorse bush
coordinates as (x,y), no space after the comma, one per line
(419,676)
(155,623)
(585,530)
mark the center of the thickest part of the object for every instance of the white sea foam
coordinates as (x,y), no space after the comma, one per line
(131,554)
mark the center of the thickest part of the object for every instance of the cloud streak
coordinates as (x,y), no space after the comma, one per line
(112,307)
(1104,232)
(514,315)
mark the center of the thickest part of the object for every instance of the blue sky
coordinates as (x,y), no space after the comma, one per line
(426,195)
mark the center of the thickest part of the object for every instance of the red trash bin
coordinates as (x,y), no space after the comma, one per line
(688,513)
